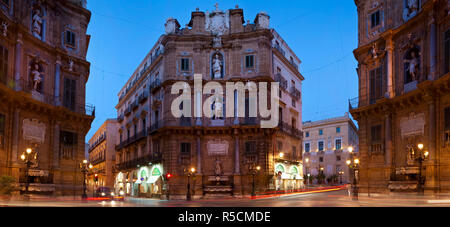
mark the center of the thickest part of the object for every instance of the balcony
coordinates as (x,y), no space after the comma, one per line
(290,130)
(97,160)
(376,148)
(278,47)
(293,64)
(143,97)
(135,105)
(295,93)
(120,118)
(280,79)
(156,83)
(127,111)
(135,138)
(100,140)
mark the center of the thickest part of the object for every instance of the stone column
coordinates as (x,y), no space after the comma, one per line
(17,69)
(237,170)
(389,55)
(199,155)
(433,48)
(57,81)
(16,135)
(56,145)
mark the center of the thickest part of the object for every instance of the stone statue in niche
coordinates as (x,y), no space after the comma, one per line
(218,168)
(37,22)
(218,104)
(217,66)
(412,65)
(36,75)
(410,9)
(70,65)
(5,28)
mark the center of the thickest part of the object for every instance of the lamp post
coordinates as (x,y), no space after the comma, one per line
(421,157)
(340,176)
(253,169)
(84,169)
(28,157)
(189,173)
(353,164)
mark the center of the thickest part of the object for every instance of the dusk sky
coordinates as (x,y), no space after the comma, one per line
(323,34)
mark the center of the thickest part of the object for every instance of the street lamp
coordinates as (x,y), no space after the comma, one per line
(189,173)
(85,169)
(254,170)
(353,164)
(421,157)
(28,157)
(340,176)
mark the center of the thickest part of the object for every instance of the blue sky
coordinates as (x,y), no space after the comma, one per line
(323,34)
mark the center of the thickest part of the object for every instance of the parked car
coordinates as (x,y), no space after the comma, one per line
(104,192)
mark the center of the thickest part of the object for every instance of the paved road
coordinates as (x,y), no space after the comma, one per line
(338,198)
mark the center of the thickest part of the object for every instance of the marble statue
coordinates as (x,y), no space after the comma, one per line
(410,9)
(374,50)
(37,23)
(70,65)
(36,76)
(413,65)
(218,113)
(218,168)
(217,67)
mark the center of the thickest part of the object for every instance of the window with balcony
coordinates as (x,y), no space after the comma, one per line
(249,61)
(376,84)
(3,64)
(68,144)
(447,51)
(375,139)
(307,147)
(70,87)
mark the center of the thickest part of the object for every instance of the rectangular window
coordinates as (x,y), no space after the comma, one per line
(307,147)
(70,38)
(375,133)
(320,145)
(338,144)
(320,132)
(249,61)
(250,147)
(338,129)
(2,131)
(376,84)
(69,93)
(3,65)
(306,134)
(185,148)
(447,118)
(184,64)
(320,159)
(375,19)
(447,51)
(338,158)
(68,144)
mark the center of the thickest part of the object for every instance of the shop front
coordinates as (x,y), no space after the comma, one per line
(288,177)
(149,181)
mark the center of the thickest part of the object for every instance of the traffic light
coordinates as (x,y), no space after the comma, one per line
(168,176)
(96,177)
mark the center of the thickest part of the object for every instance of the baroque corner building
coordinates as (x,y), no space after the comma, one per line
(43,73)
(222,47)
(404,95)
